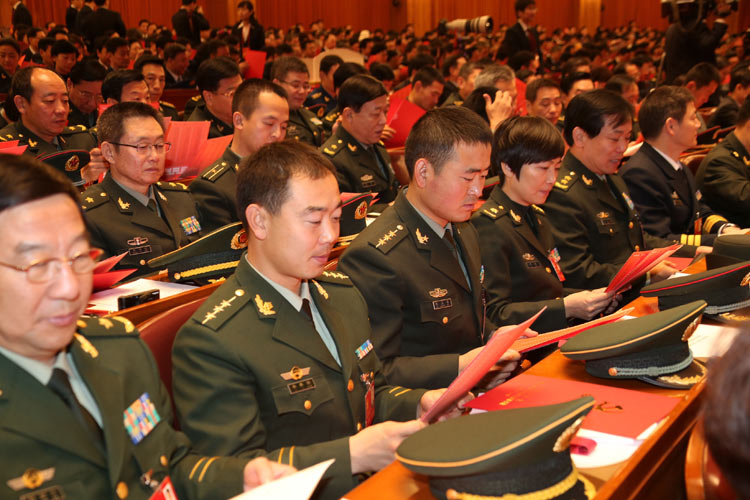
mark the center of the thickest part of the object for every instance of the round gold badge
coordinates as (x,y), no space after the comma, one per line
(239,240)
(361,211)
(72,164)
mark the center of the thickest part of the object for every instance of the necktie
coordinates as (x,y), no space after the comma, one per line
(532,40)
(448,238)
(59,383)
(306,309)
(151,205)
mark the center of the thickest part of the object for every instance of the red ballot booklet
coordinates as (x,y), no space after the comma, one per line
(256,62)
(621,412)
(543,339)
(103,276)
(402,115)
(638,264)
(478,368)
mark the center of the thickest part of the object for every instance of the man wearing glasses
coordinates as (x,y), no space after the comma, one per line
(217,79)
(292,74)
(131,211)
(66,382)
(85,92)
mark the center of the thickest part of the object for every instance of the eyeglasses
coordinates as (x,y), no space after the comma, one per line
(43,271)
(143,149)
(298,85)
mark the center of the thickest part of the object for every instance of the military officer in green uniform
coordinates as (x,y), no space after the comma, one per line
(521,262)
(40,98)
(362,162)
(278,361)
(154,72)
(724,175)
(418,264)
(217,80)
(591,215)
(260,113)
(84,413)
(85,92)
(292,74)
(130,211)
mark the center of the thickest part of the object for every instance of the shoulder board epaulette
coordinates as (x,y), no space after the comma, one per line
(195,98)
(167,104)
(92,198)
(387,240)
(217,311)
(110,326)
(216,171)
(172,186)
(332,117)
(333,146)
(566,181)
(492,210)
(537,209)
(335,277)
(316,95)
(74,129)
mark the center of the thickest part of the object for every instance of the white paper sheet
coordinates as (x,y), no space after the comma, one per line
(106,300)
(709,341)
(297,486)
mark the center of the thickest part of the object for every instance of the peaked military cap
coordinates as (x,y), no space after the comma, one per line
(70,162)
(651,348)
(522,453)
(729,249)
(210,258)
(353,216)
(724,289)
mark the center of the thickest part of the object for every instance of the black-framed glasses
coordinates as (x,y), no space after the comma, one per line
(160,148)
(43,271)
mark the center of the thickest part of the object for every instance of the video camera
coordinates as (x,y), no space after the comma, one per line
(482,24)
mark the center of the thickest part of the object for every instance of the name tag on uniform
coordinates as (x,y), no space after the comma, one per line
(301,386)
(140,418)
(442,304)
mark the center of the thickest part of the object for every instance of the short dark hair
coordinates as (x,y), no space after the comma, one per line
(522,4)
(663,102)
(116,80)
(382,72)
(727,414)
(87,70)
(24,179)
(329,62)
(619,83)
(533,88)
(703,74)
(246,96)
(744,114)
(172,50)
(740,76)
(147,59)
(523,140)
(9,42)
(437,133)
(521,59)
(188,2)
(263,177)
(246,4)
(111,123)
(287,64)
(346,71)
(99,3)
(427,76)
(450,62)
(33,32)
(63,47)
(212,71)
(475,101)
(358,90)
(569,80)
(114,43)
(591,110)
(20,85)
(46,43)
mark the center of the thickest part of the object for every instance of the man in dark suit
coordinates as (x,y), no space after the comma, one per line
(662,189)
(87,9)
(21,14)
(522,35)
(71,14)
(188,22)
(418,264)
(101,21)
(248,29)
(729,107)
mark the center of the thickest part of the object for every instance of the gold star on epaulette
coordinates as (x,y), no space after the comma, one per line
(421,238)
(334,146)
(218,308)
(495,210)
(106,323)
(265,308)
(321,290)
(328,151)
(734,153)
(32,143)
(87,347)
(123,204)
(329,274)
(387,236)
(89,199)
(489,214)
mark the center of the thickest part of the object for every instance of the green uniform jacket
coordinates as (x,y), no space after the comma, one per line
(38,432)
(78,117)
(422,312)
(215,192)
(305,126)
(217,129)
(595,232)
(357,169)
(519,277)
(119,223)
(724,180)
(252,377)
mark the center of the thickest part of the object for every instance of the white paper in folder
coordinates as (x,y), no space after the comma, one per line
(297,486)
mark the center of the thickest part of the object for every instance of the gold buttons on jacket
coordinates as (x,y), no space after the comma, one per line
(637,248)
(122,490)
(630,225)
(350,385)
(548,270)
(359,426)
(163,460)
(445,320)
(308,405)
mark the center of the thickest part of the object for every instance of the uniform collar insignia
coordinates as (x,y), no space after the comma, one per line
(265,308)
(124,205)
(516,218)
(321,290)
(586,180)
(421,238)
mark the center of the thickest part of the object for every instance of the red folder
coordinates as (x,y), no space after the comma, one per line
(103,276)
(638,264)
(478,368)
(402,115)
(617,411)
(256,62)
(191,149)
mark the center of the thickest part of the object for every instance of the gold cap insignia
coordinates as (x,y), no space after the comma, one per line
(421,238)
(265,308)
(361,211)
(72,163)
(691,329)
(296,373)
(563,442)
(239,240)
(745,280)
(438,292)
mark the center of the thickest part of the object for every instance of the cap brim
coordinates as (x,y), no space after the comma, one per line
(683,379)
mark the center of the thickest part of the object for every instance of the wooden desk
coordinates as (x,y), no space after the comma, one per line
(656,469)
(141,313)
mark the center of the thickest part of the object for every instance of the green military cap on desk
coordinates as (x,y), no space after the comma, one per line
(729,249)
(651,348)
(71,162)
(724,289)
(208,259)
(521,454)
(353,216)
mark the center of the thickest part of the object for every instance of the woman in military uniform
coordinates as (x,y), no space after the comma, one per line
(521,263)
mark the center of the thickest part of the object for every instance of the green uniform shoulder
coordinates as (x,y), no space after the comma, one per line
(386,240)
(225,303)
(493,210)
(93,197)
(566,181)
(333,146)
(168,104)
(112,326)
(171,186)
(73,129)
(334,277)
(218,169)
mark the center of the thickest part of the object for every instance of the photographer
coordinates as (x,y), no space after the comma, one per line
(689,40)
